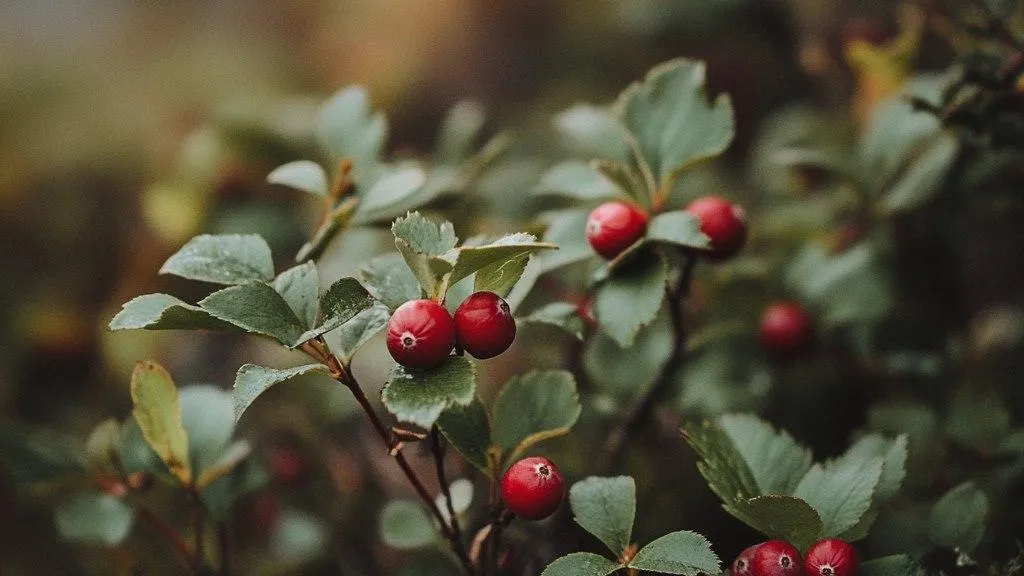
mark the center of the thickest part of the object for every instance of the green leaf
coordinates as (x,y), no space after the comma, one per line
(303,175)
(460,129)
(348,128)
(390,280)
(894,455)
(103,446)
(628,373)
(977,419)
(562,315)
(467,260)
(841,492)
(338,218)
(252,380)
(42,457)
(419,240)
(534,407)
(631,299)
(589,132)
(467,429)
(340,303)
(679,228)
(231,456)
(958,519)
(255,308)
(893,133)
(298,537)
(392,193)
(501,277)
(158,413)
(136,454)
(779,517)
(567,231)
(419,396)
(895,565)
(405,525)
(299,286)
(682,552)
(94,518)
(207,416)
(606,507)
(576,179)
(721,463)
(346,340)
(581,564)
(221,493)
(163,312)
(776,461)
(671,122)
(849,287)
(923,177)
(226,259)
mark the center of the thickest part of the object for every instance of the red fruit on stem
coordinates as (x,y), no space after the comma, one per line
(614,226)
(533,488)
(742,564)
(484,326)
(831,557)
(723,222)
(776,558)
(287,465)
(785,328)
(421,334)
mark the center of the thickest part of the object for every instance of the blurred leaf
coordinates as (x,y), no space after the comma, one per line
(255,308)
(94,518)
(467,429)
(393,192)
(103,446)
(462,497)
(679,228)
(606,507)
(576,179)
(207,415)
(840,491)
(670,119)
(301,175)
(340,303)
(466,260)
(567,232)
(562,315)
(849,287)
(780,517)
(924,175)
(158,413)
(977,419)
(229,459)
(136,454)
(591,132)
(299,286)
(894,132)
(337,219)
(163,312)
(419,396)
(894,455)
(252,380)
(460,130)
(581,564)
(405,525)
(348,128)
(224,490)
(226,259)
(719,380)
(775,460)
(419,240)
(31,458)
(682,552)
(896,565)
(630,300)
(957,521)
(350,337)
(501,277)
(629,372)
(390,280)
(534,407)
(298,537)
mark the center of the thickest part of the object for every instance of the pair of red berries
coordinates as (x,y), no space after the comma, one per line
(614,226)
(533,488)
(421,333)
(829,557)
(785,329)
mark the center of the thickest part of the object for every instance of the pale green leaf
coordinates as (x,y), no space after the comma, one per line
(776,460)
(297,537)
(467,260)
(631,298)
(419,396)
(682,552)
(534,407)
(679,228)
(350,337)
(299,286)
(102,448)
(94,518)
(606,507)
(420,240)
(567,231)
(405,525)
(255,308)
(923,177)
(958,519)
(348,128)
(164,312)
(467,429)
(158,413)
(303,175)
(392,193)
(576,179)
(563,315)
(390,280)
(459,131)
(501,277)
(588,132)
(229,479)
(841,492)
(252,380)
(581,564)
(207,416)
(225,259)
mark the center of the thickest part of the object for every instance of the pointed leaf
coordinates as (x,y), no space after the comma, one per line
(576,179)
(958,519)
(682,552)
(581,564)
(394,192)
(606,507)
(158,413)
(302,175)
(419,396)
(774,458)
(501,277)
(94,518)
(841,492)
(255,308)
(894,455)
(779,517)
(252,380)
(534,407)
(628,373)
(299,286)
(163,312)
(923,177)
(390,280)
(340,303)
(631,299)
(231,457)
(227,259)
(466,260)
(467,429)
(348,128)
(419,240)
(350,337)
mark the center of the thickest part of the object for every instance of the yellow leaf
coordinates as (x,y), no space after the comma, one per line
(158,413)
(882,70)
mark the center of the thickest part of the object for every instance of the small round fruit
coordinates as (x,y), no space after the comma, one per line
(776,558)
(533,488)
(785,328)
(831,557)
(723,222)
(741,565)
(484,325)
(421,334)
(614,226)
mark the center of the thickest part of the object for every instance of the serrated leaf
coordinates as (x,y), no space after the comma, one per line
(923,177)
(576,179)
(350,337)
(776,461)
(562,315)
(467,429)
(390,280)
(567,231)
(628,373)
(299,287)
(631,299)
(391,194)
(41,457)
(589,131)
(256,308)
(405,525)
(94,518)
(419,240)
(681,552)
(158,413)
(958,519)
(606,507)
(303,175)
(679,228)
(340,303)
(348,128)
(164,312)
(459,131)
(206,415)
(721,464)
(895,565)
(501,277)
(672,124)
(841,492)
(467,260)
(419,396)
(780,517)
(581,564)
(253,380)
(226,259)
(533,407)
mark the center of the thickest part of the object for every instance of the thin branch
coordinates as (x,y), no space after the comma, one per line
(225,548)
(168,531)
(438,451)
(197,528)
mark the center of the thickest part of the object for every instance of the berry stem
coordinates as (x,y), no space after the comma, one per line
(442,479)
(168,531)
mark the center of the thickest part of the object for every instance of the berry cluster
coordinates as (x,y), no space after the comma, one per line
(421,333)
(829,557)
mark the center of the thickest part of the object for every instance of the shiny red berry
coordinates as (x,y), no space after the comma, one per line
(785,328)
(533,488)
(831,557)
(421,334)
(723,222)
(776,558)
(741,565)
(484,325)
(614,226)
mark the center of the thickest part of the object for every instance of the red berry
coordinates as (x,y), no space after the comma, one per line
(723,222)
(287,465)
(785,328)
(776,558)
(741,565)
(421,334)
(484,325)
(533,488)
(614,226)
(831,557)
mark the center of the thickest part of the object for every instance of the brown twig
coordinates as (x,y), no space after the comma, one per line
(168,531)
(197,527)
(436,448)
(225,548)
